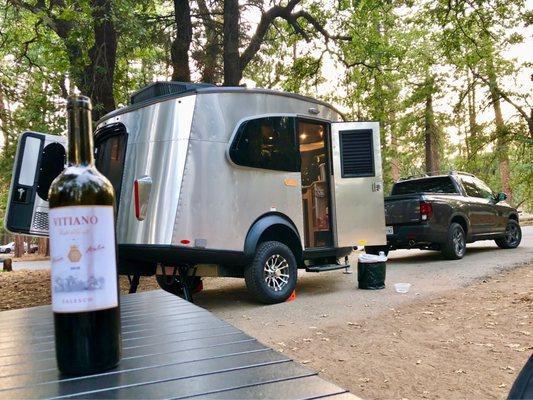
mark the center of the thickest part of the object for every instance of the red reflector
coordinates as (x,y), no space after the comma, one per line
(185,241)
(136,199)
(426,209)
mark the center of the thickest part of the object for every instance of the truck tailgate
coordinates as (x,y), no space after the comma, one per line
(402,209)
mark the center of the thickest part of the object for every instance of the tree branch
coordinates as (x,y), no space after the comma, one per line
(504,96)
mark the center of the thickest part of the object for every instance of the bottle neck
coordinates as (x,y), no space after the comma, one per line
(80,135)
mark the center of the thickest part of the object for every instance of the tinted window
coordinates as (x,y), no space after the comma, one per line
(476,188)
(430,185)
(52,164)
(268,143)
(110,151)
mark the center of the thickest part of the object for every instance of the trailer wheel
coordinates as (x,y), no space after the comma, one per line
(271,276)
(513,236)
(455,246)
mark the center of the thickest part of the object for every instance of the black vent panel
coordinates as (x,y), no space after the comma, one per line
(40,221)
(158,89)
(357,153)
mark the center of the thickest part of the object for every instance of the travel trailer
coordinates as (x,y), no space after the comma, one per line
(222,181)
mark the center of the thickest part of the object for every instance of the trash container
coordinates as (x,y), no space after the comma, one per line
(371,270)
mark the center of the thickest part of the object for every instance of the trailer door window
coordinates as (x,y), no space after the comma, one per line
(268,143)
(110,152)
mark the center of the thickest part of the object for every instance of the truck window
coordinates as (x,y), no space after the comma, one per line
(476,188)
(441,184)
(268,143)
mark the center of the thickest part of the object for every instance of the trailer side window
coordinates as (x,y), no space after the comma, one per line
(268,143)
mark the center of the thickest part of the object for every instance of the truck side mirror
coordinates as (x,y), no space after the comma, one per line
(500,197)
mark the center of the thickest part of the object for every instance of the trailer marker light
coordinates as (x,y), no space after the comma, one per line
(185,241)
(141,196)
(136,199)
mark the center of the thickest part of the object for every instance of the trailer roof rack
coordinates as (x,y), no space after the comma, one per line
(158,89)
(434,173)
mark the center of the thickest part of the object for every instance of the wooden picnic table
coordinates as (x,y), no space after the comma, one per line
(172,349)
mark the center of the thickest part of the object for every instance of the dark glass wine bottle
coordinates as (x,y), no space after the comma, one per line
(82,248)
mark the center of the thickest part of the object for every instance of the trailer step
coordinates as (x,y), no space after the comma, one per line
(326,267)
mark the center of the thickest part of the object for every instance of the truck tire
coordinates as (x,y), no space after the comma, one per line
(376,249)
(513,236)
(271,276)
(455,246)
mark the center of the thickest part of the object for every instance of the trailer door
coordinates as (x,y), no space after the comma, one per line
(39,159)
(359,213)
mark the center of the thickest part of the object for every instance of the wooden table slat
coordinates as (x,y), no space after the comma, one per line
(171,349)
(309,387)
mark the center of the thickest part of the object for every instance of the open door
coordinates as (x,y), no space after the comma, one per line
(357,184)
(40,158)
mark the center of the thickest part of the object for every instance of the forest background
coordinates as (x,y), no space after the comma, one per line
(449,80)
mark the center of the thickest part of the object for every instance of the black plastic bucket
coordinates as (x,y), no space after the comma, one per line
(371,272)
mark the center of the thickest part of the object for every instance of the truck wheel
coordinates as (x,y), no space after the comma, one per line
(455,246)
(376,249)
(169,284)
(513,236)
(271,276)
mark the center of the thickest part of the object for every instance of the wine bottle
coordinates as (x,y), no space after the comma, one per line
(82,249)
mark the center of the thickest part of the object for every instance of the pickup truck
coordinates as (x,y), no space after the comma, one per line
(445,212)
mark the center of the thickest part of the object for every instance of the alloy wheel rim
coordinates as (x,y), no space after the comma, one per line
(459,242)
(512,234)
(276,272)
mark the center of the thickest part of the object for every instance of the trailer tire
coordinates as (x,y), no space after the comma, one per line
(455,246)
(271,276)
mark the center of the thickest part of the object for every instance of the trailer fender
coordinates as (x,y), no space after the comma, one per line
(273,223)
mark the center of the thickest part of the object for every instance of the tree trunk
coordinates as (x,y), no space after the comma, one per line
(179,52)
(232,69)
(209,59)
(395,164)
(3,120)
(19,245)
(99,76)
(44,247)
(94,77)
(471,138)
(502,134)
(432,139)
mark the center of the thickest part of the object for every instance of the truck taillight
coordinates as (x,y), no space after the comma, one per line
(426,210)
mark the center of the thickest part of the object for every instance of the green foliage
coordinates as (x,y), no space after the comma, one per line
(373,59)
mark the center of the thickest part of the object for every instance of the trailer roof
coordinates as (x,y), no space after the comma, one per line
(215,89)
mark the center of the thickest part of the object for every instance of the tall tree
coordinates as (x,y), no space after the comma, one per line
(181,44)
(502,133)
(431,133)
(232,61)
(91,68)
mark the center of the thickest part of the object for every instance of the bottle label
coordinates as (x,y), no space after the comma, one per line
(82,250)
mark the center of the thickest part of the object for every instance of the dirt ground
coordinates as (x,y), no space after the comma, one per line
(25,288)
(466,343)
(469,343)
